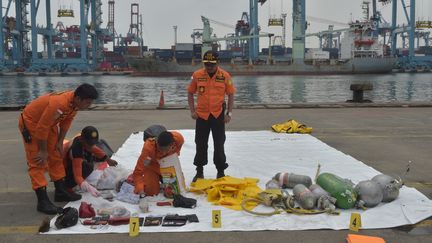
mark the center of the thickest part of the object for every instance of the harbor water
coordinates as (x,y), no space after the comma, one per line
(400,87)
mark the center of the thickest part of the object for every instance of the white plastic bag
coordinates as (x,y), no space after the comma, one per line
(110,177)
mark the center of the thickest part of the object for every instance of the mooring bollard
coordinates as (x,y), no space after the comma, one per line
(358,90)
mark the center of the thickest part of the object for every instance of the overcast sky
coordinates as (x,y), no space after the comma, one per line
(159,16)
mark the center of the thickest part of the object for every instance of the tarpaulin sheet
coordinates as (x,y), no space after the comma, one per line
(262,154)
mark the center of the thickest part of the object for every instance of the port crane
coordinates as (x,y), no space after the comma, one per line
(208,39)
(411,62)
(21,34)
(28,45)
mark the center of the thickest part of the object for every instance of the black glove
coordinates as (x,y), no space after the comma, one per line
(183,202)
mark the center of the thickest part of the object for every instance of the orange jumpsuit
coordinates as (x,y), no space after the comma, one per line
(43,117)
(74,155)
(146,178)
(211,91)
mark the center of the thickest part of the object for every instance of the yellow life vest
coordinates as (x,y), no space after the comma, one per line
(291,126)
(228,191)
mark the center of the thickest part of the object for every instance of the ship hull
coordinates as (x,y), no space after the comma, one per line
(147,67)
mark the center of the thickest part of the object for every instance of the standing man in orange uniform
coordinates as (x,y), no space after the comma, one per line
(211,84)
(44,124)
(146,174)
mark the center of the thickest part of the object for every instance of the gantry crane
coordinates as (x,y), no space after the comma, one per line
(16,50)
(299,28)
(208,39)
(410,62)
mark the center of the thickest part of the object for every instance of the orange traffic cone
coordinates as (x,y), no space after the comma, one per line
(161,100)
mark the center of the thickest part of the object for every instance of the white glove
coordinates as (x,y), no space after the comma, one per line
(85,186)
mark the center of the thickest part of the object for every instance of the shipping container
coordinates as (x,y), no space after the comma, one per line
(237,54)
(197,50)
(60,54)
(164,53)
(115,59)
(105,65)
(317,54)
(277,51)
(277,47)
(134,51)
(197,47)
(225,55)
(149,53)
(73,54)
(236,49)
(120,49)
(427,50)
(184,54)
(184,47)
(333,52)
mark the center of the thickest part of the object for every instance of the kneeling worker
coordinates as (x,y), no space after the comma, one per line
(147,173)
(80,157)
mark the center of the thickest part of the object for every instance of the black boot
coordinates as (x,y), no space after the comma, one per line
(44,204)
(199,174)
(220,174)
(220,171)
(62,194)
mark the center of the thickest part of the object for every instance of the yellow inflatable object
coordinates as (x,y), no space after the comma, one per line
(291,126)
(228,191)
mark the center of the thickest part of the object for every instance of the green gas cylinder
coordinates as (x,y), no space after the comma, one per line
(338,188)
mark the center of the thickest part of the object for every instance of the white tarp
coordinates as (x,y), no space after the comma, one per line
(261,154)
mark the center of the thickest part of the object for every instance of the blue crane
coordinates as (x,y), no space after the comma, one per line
(410,62)
(17,52)
(299,29)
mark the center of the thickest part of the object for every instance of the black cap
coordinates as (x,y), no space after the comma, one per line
(210,57)
(90,134)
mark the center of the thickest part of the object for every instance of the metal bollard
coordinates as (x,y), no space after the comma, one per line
(358,90)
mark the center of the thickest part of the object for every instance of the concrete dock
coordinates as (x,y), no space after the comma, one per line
(385,138)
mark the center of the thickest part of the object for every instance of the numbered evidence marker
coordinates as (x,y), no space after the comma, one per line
(216,219)
(355,222)
(133,226)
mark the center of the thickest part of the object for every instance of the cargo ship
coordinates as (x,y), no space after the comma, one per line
(360,52)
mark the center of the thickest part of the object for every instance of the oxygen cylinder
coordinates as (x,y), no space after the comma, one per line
(325,202)
(323,198)
(338,188)
(318,191)
(304,196)
(369,193)
(389,186)
(289,180)
(272,184)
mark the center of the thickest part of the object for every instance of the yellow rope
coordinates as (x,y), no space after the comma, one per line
(297,211)
(243,205)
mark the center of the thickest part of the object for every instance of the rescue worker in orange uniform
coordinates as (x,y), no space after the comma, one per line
(146,175)
(44,124)
(211,84)
(80,156)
